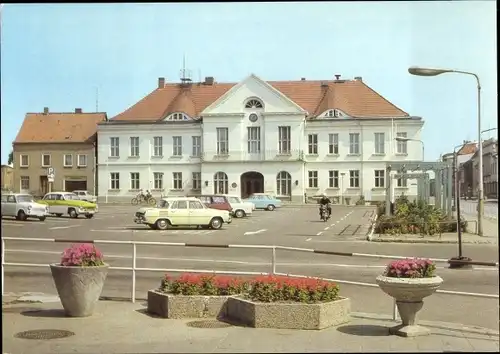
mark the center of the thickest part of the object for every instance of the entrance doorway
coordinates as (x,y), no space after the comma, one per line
(251,182)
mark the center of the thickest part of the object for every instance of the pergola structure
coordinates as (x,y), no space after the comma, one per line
(408,170)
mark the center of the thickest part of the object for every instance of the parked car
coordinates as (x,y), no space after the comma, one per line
(181,211)
(68,203)
(239,207)
(215,201)
(85,195)
(264,201)
(23,206)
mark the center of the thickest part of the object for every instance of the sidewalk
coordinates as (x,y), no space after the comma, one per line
(123,327)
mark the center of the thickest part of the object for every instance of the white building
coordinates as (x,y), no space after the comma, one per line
(289,138)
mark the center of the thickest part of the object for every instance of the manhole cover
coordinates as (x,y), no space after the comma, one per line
(208,324)
(18,309)
(44,334)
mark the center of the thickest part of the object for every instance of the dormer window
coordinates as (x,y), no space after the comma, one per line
(178,117)
(254,103)
(333,113)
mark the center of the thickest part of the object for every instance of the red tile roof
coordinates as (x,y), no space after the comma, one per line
(58,127)
(468,148)
(353,97)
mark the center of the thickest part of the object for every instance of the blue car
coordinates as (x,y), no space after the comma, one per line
(264,201)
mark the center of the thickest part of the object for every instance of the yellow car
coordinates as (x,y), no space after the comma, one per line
(68,203)
(182,211)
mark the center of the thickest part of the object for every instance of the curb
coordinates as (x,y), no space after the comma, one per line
(388,240)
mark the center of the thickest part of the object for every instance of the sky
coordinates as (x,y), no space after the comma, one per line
(59,56)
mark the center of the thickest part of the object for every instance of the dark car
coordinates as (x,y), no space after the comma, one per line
(215,201)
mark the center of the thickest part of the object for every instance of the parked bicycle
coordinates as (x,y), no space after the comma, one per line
(141,198)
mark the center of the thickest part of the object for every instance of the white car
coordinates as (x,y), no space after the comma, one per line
(23,206)
(240,208)
(85,195)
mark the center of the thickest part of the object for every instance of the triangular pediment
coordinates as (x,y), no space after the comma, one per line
(253,89)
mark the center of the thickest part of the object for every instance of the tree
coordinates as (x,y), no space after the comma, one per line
(11,158)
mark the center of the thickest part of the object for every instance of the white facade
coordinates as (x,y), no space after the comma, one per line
(277,145)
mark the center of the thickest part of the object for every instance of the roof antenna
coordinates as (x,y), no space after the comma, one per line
(97,99)
(185,74)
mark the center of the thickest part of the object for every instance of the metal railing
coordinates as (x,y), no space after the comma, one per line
(272,270)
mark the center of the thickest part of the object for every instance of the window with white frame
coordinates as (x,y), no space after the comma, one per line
(354,143)
(68,160)
(402,182)
(134,180)
(196,181)
(46,160)
(24,161)
(379,143)
(177,179)
(114,178)
(313,179)
(114,144)
(284,139)
(81,160)
(177,145)
(158,180)
(354,178)
(134,146)
(284,183)
(221,183)
(253,140)
(333,179)
(222,141)
(401,146)
(25,183)
(158,146)
(253,103)
(312,144)
(178,116)
(379,178)
(333,144)
(196,140)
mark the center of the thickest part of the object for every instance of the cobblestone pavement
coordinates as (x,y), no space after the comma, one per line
(121,327)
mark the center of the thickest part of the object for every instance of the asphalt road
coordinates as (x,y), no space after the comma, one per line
(294,227)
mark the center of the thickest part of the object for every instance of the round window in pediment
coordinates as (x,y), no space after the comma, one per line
(253,117)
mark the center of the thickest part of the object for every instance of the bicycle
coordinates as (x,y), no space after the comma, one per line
(143,199)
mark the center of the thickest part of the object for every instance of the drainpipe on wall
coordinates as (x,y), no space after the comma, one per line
(304,124)
(362,151)
(95,167)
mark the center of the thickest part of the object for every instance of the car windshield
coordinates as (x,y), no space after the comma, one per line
(25,199)
(234,200)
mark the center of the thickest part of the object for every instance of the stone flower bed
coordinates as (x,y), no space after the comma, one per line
(194,296)
(266,301)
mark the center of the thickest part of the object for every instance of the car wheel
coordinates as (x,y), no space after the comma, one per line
(270,207)
(239,213)
(72,213)
(161,224)
(89,216)
(42,218)
(21,215)
(58,215)
(216,223)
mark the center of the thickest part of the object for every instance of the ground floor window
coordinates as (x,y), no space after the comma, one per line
(115,180)
(134,180)
(196,181)
(158,180)
(221,184)
(354,178)
(25,183)
(313,179)
(177,179)
(379,178)
(402,182)
(283,183)
(333,179)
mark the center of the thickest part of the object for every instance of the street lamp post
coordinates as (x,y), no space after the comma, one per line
(434,72)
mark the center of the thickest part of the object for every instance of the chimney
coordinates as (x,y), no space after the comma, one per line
(302,79)
(209,80)
(358,78)
(337,77)
(78,110)
(161,82)
(46,110)
(324,84)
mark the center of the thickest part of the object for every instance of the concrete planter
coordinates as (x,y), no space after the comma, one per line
(79,288)
(409,294)
(186,306)
(289,315)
